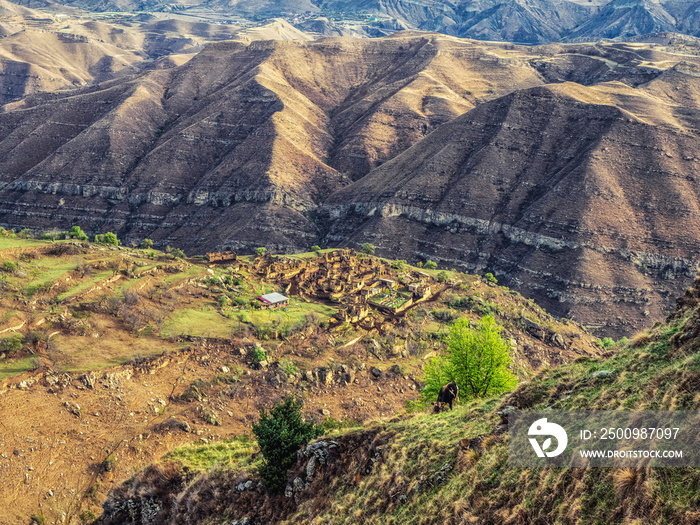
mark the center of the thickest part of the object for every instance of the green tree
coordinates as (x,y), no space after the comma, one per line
(443,276)
(100,238)
(11,344)
(76,232)
(399,264)
(430,265)
(489,277)
(111,239)
(477,359)
(147,244)
(260,251)
(368,248)
(316,248)
(280,433)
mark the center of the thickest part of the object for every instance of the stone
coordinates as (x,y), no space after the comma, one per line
(602,373)
(396,369)
(558,340)
(308,376)
(376,372)
(325,376)
(225,369)
(325,412)
(311,468)
(507,410)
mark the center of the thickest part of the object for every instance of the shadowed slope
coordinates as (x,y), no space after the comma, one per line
(571,193)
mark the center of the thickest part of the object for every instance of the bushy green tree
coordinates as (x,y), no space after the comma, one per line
(368,248)
(260,251)
(280,433)
(399,264)
(477,359)
(443,276)
(11,344)
(315,248)
(76,232)
(146,244)
(430,265)
(111,238)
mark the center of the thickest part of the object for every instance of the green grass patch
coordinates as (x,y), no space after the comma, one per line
(230,453)
(8,242)
(204,322)
(12,367)
(85,285)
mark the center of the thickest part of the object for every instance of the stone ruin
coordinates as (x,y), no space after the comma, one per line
(354,284)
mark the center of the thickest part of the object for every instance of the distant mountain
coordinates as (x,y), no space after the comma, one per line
(626,19)
(520,21)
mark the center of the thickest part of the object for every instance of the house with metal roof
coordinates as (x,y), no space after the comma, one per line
(273,300)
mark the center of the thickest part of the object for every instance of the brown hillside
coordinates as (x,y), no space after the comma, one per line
(241,139)
(242,145)
(585,197)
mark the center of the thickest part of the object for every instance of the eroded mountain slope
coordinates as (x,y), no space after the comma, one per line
(242,140)
(587,198)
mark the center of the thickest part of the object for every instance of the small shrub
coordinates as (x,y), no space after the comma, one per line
(260,251)
(223,301)
(176,252)
(9,266)
(443,277)
(109,464)
(146,244)
(27,234)
(490,278)
(259,354)
(288,367)
(430,265)
(607,342)
(367,248)
(315,248)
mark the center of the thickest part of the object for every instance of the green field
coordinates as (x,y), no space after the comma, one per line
(208,322)
(8,242)
(9,368)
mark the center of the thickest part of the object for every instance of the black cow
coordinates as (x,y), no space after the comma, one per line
(448,394)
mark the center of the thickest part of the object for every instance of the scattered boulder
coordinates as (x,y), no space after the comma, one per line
(325,376)
(375,372)
(603,373)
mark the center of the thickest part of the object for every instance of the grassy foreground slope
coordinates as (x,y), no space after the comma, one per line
(453,467)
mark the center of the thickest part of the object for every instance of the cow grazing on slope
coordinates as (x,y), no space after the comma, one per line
(448,394)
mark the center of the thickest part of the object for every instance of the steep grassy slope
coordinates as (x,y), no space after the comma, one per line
(111,357)
(453,467)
